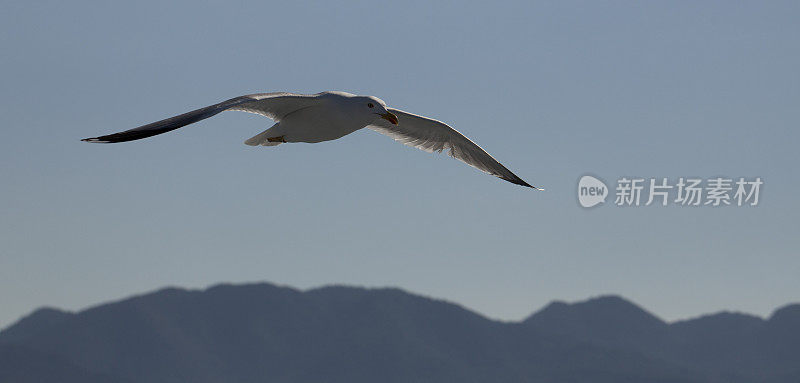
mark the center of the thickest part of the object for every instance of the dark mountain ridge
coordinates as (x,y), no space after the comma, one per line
(263,332)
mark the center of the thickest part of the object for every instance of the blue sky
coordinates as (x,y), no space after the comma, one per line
(553,90)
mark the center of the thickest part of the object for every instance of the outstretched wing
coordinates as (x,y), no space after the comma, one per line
(430,135)
(272,105)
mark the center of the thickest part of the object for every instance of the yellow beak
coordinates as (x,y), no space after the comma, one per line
(388,116)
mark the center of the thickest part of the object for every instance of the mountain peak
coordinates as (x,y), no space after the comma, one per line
(607,320)
(36,321)
(784,324)
(601,308)
(722,319)
(788,313)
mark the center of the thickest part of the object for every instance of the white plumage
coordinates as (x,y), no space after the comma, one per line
(330,115)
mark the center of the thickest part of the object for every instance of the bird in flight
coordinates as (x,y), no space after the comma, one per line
(330,115)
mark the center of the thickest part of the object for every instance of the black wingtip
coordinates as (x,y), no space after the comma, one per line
(521,182)
(128,135)
(95,140)
(531,186)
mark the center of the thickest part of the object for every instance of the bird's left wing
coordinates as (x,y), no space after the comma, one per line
(272,105)
(431,135)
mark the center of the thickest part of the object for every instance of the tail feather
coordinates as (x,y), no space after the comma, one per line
(261,139)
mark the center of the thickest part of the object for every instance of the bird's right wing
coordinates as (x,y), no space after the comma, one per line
(273,105)
(431,135)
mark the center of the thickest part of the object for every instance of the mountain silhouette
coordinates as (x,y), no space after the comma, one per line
(262,332)
(607,320)
(729,347)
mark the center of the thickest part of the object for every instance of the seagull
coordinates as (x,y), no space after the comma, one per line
(330,115)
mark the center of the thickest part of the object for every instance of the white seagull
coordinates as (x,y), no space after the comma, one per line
(330,115)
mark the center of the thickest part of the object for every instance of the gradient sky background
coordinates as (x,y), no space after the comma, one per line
(552,90)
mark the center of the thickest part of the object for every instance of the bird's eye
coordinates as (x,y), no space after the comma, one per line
(370,105)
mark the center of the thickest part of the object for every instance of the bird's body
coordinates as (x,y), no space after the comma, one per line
(328,116)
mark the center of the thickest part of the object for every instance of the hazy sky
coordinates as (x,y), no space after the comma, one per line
(553,90)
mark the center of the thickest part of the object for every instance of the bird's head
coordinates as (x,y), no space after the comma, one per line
(377,108)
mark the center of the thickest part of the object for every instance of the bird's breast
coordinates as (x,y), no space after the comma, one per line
(317,124)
